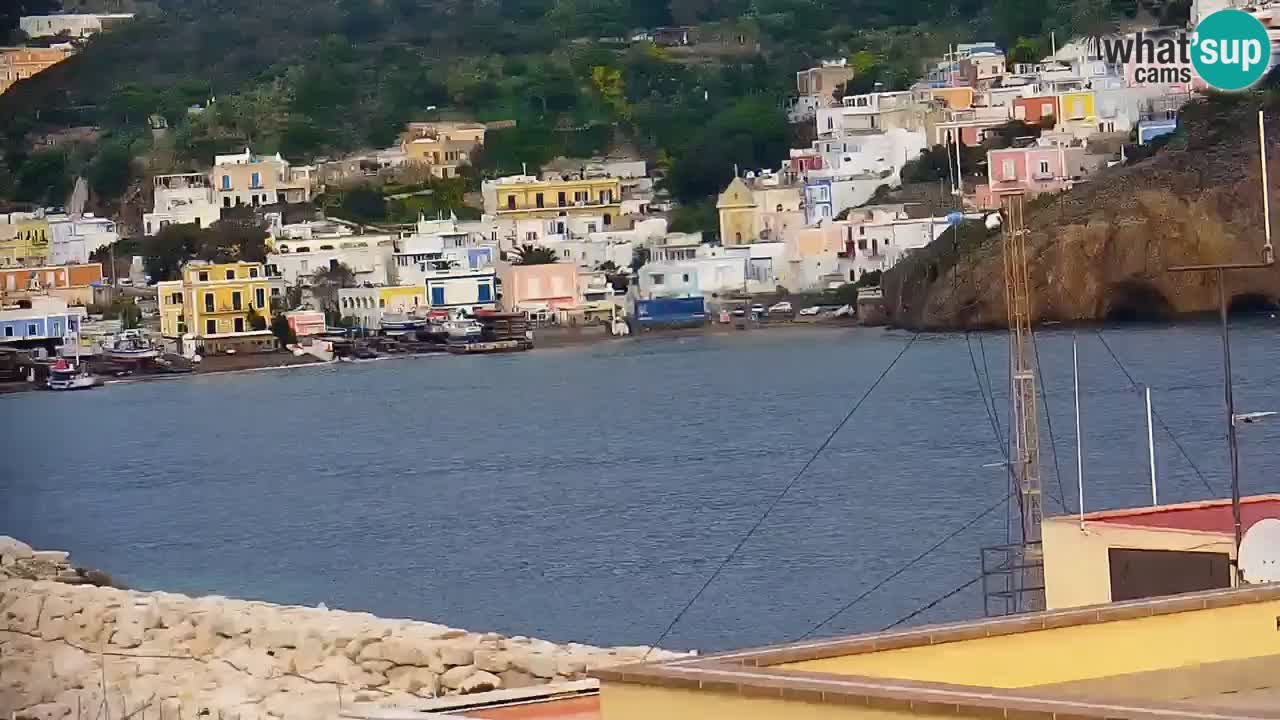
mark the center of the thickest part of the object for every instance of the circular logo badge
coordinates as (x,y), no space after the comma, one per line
(1231,49)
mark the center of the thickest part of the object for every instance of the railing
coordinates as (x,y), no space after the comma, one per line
(1012,579)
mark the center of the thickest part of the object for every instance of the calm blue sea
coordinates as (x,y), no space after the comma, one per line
(585,493)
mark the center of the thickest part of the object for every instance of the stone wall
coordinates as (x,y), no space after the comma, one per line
(165,655)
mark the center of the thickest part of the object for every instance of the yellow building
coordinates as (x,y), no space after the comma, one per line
(523,196)
(368,305)
(1078,107)
(737,208)
(1213,654)
(20,63)
(759,210)
(954,98)
(1145,552)
(443,146)
(216,305)
(24,242)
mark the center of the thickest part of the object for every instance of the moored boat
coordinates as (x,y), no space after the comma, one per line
(131,345)
(66,376)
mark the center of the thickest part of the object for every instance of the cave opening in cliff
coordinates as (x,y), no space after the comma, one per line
(1252,304)
(1136,301)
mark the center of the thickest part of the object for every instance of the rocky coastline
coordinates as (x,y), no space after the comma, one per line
(71,649)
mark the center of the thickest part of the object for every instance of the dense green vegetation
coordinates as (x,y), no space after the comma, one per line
(316,78)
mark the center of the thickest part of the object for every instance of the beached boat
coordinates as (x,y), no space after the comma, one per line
(401,325)
(66,376)
(463,329)
(131,345)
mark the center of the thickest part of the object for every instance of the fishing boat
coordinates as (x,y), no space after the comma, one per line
(402,325)
(66,376)
(135,347)
(463,329)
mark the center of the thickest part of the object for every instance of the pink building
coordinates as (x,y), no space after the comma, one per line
(538,287)
(1032,170)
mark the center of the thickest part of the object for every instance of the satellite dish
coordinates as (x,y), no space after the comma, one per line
(1260,552)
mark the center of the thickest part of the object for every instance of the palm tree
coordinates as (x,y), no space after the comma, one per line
(326,283)
(534,255)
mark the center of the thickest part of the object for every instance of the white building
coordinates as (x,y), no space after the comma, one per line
(296,259)
(75,25)
(183,199)
(453,286)
(877,238)
(716,271)
(469,245)
(248,179)
(72,240)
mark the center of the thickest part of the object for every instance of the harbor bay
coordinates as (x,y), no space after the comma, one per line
(584,494)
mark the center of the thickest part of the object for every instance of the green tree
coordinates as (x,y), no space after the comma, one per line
(256,320)
(111,171)
(639,258)
(326,283)
(1023,51)
(164,253)
(44,178)
(364,203)
(533,255)
(283,331)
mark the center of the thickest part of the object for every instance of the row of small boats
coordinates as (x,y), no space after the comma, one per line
(455,326)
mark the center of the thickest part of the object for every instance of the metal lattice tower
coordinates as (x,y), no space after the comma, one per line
(1024,423)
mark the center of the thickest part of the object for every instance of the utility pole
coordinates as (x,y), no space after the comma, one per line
(1221,270)
(1024,436)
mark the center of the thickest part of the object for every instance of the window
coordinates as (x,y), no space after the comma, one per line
(566,254)
(538,200)
(531,235)
(8,331)
(303,266)
(591,227)
(608,219)
(208,302)
(238,325)
(255,180)
(204,277)
(211,327)
(1007,171)
(484,293)
(235,301)
(226,202)
(511,202)
(226,182)
(437,296)
(862,244)
(32,329)
(275,291)
(685,277)
(561,200)
(382,303)
(231,274)
(1044,167)
(260,295)
(657,278)
(253,272)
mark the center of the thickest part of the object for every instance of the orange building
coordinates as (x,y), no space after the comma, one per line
(20,63)
(73,283)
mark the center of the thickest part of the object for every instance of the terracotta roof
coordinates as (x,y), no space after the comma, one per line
(1204,516)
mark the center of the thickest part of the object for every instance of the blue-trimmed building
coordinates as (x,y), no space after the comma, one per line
(39,322)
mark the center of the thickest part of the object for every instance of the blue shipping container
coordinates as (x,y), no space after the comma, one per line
(670,311)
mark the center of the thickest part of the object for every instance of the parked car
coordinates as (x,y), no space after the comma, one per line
(757,309)
(811,311)
(783,307)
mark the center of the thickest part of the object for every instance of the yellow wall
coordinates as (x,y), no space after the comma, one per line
(25,242)
(1076,653)
(1085,100)
(169,297)
(223,290)
(620,701)
(958,98)
(402,298)
(1077,567)
(603,195)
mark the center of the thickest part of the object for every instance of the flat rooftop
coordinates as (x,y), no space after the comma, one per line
(1204,516)
(1210,655)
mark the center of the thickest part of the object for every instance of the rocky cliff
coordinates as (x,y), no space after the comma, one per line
(1102,250)
(72,652)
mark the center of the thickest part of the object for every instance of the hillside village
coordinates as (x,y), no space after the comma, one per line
(274,250)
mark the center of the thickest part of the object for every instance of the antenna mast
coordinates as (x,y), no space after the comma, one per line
(1024,438)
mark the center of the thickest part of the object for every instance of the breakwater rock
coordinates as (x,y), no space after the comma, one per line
(64,646)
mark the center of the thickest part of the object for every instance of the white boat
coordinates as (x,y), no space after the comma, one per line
(401,326)
(466,329)
(130,345)
(65,376)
